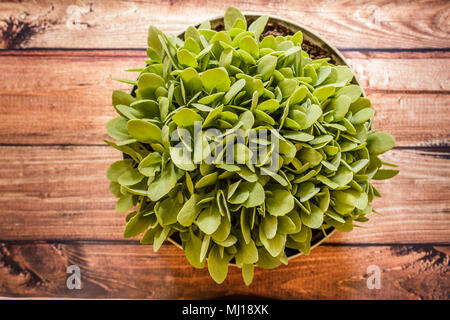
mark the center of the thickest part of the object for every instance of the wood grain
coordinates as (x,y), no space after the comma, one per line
(56,64)
(134,271)
(56,193)
(103,24)
(64,97)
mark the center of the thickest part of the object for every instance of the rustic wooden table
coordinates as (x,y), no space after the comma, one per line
(56,61)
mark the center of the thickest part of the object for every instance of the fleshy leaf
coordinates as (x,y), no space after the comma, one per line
(380,142)
(280,202)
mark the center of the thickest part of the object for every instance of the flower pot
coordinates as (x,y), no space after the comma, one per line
(317,48)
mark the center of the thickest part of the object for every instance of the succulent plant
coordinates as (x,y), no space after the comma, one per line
(295,133)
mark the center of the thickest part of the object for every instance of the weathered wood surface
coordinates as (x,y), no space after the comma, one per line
(64,97)
(50,193)
(55,206)
(134,271)
(106,24)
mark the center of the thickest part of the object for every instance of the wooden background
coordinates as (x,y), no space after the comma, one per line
(56,61)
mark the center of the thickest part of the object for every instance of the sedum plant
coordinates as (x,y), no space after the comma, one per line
(296,133)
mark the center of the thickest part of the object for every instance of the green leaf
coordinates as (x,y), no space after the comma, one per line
(193,33)
(380,142)
(306,191)
(256,194)
(116,169)
(211,98)
(247,252)
(120,97)
(275,245)
(362,116)
(128,112)
(147,108)
(136,225)
(310,156)
(189,212)
(217,266)
(130,177)
(148,83)
(343,176)
(186,58)
(322,74)
(383,174)
(149,235)
(268,106)
(160,236)
(192,249)
(205,246)
(247,273)
(191,45)
(212,115)
(153,40)
(313,220)
(207,180)
(344,74)
(216,79)
(144,131)
(181,157)
(347,200)
(359,164)
(124,203)
(223,231)
(258,26)
(239,197)
(234,89)
(340,106)
(298,95)
(297,38)
(233,14)
(266,261)
(150,165)
(299,136)
(280,202)
(269,224)
(352,91)
(286,225)
(186,117)
(266,66)
(114,187)
(269,42)
(167,211)
(324,92)
(163,183)
(209,219)
(313,113)
(332,214)
(249,45)
(117,128)
(191,80)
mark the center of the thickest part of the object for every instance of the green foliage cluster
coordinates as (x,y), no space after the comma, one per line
(230,80)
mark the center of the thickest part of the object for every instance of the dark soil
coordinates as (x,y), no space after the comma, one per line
(272,29)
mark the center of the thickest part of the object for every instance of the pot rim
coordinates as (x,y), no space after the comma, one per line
(315,39)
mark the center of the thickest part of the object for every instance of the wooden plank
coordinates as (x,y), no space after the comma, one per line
(123,24)
(133,271)
(64,97)
(49,193)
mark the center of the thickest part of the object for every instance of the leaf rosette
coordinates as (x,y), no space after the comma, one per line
(242,146)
